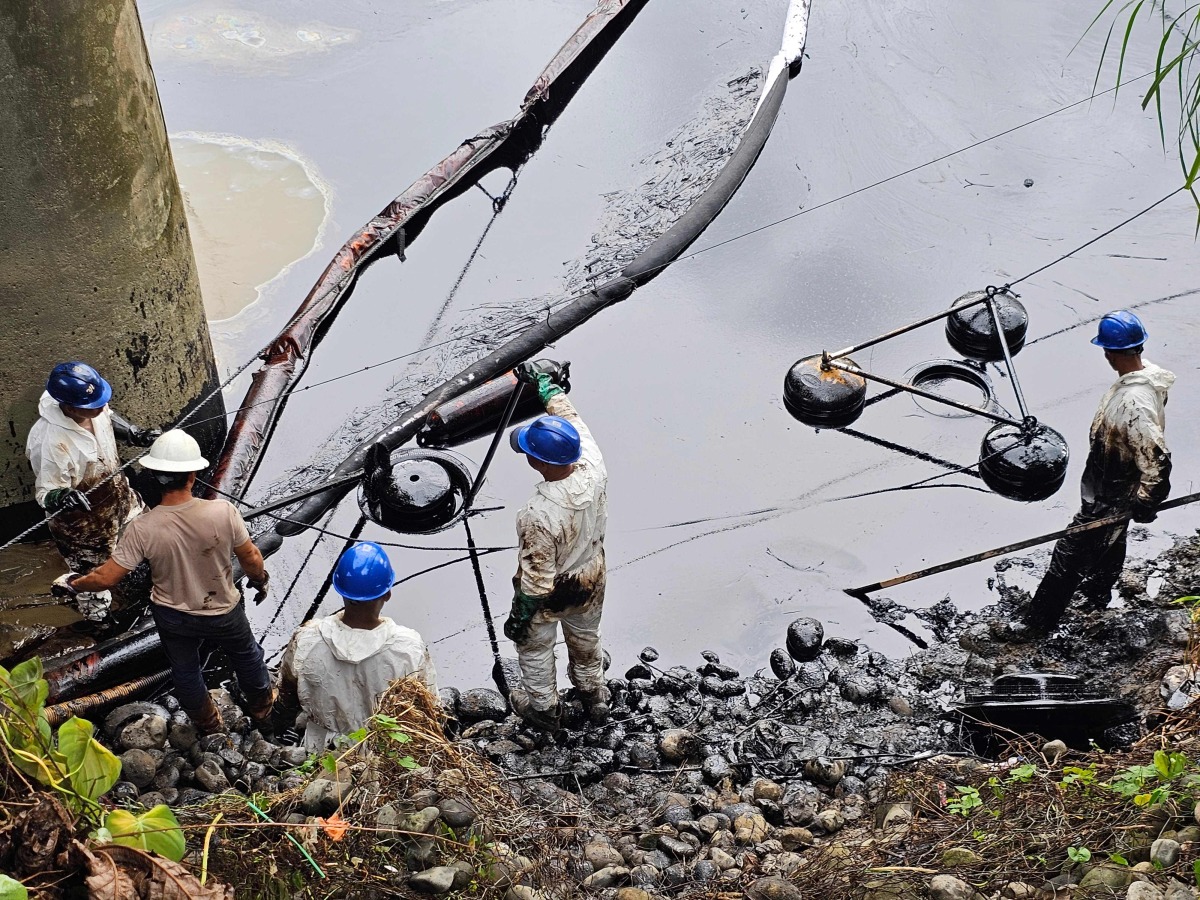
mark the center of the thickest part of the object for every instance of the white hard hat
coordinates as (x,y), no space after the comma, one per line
(174,451)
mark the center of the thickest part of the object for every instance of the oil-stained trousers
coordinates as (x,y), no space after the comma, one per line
(560,532)
(1128,466)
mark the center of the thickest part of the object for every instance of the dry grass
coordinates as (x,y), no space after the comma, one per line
(511,838)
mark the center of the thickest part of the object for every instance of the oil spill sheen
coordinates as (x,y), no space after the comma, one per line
(254,209)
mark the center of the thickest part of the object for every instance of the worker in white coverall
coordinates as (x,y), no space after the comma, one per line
(72,448)
(561,576)
(1128,474)
(336,667)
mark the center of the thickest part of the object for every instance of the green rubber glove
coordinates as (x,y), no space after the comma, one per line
(546,388)
(516,626)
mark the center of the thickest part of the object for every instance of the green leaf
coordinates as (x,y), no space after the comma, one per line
(93,768)
(29,686)
(1196,872)
(11,889)
(1079,854)
(1118,859)
(156,829)
(1142,800)
(329,762)
(399,737)
(408,762)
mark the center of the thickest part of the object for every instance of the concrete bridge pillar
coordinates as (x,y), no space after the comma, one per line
(96,262)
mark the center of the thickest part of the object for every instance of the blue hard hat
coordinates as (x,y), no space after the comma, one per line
(550,439)
(79,385)
(1120,330)
(363,573)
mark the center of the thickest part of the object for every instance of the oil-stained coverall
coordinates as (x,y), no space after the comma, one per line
(560,533)
(1127,474)
(337,672)
(64,454)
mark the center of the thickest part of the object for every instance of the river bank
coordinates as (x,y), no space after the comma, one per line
(830,765)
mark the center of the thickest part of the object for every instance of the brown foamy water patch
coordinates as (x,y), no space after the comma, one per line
(242,38)
(255,208)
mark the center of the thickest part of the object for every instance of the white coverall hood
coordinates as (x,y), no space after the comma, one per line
(64,454)
(340,672)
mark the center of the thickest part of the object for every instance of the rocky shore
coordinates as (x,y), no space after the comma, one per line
(707,778)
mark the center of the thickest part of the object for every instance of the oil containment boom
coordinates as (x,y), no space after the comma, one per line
(507,144)
(641,269)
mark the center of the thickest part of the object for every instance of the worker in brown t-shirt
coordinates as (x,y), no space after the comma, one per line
(189,544)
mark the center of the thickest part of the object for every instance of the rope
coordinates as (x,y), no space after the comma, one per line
(498,204)
(1087,244)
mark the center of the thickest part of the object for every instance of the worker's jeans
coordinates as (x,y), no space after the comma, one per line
(184,635)
(581,630)
(1090,561)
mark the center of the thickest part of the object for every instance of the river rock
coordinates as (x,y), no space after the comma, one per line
(449,697)
(523,892)
(804,637)
(632,893)
(127,712)
(830,821)
(644,876)
(456,814)
(750,828)
(648,655)
(782,664)
(479,704)
(609,876)
(716,768)
(1106,876)
(959,856)
(716,687)
(766,789)
(677,847)
(181,733)
(900,706)
(144,733)
(773,888)
(291,757)
(1143,890)
(827,772)
(721,858)
(138,767)
(678,745)
(947,887)
(1177,890)
(1164,852)
(1053,751)
(210,776)
(438,880)
(794,838)
(602,855)
(322,797)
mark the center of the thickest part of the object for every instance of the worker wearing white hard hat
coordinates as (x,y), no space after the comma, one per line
(189,544)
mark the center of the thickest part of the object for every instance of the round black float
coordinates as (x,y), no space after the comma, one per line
(972,332)
(824,398)
(420,493)
(1023,465)
(954,380)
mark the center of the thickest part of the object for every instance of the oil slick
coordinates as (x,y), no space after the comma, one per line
(255,209)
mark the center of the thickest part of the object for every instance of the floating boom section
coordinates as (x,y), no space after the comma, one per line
(645,266)
(398,225)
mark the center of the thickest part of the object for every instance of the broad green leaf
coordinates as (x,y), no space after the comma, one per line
(11,889)
(156,829)
(399,737)
(329,762)
(1141,800)
(93,768)
(408,762)
(29,686)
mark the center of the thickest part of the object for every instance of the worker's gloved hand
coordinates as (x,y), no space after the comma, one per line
(1143,513)
(62,587)
(548,375)
(66,499)
(143,437)
(261,588)
(516,626)
(132,434)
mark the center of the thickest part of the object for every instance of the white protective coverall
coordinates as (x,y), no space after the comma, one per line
(1128,465)
(64,454)
(340,672)
(561,546)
